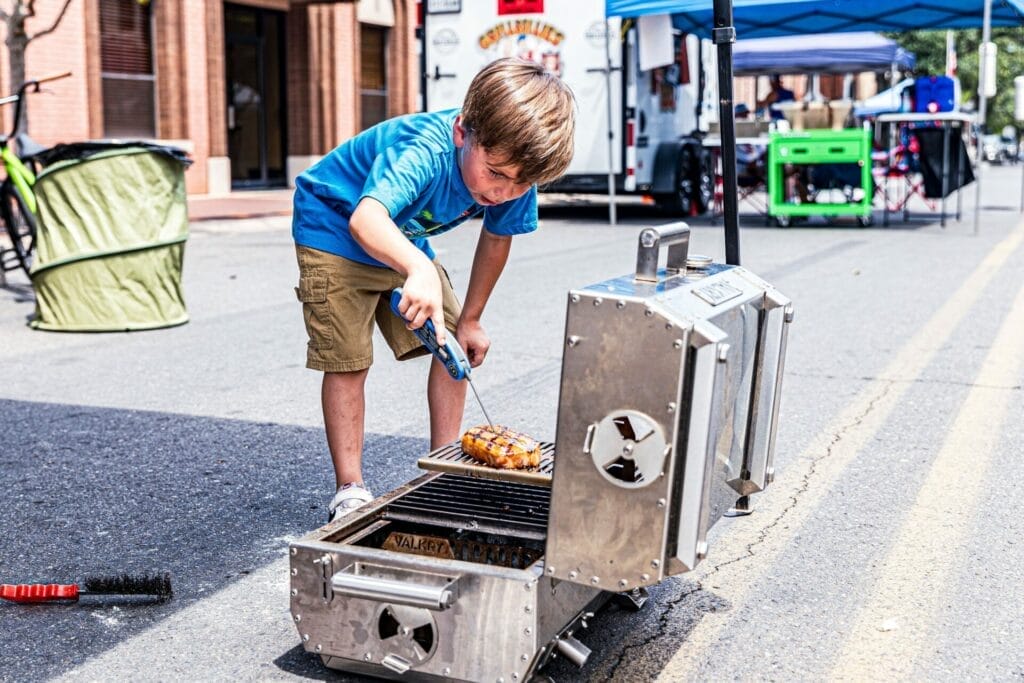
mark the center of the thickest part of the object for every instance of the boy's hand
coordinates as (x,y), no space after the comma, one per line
(422,301)
(473,340)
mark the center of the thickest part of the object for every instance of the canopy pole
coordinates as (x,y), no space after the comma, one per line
(986,36)
(724,35)
(612,219)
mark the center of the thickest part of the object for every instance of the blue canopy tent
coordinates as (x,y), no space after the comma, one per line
(725,20)
(863,51)
(765,18)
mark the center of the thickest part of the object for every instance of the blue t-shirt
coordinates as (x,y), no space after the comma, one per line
(409,165)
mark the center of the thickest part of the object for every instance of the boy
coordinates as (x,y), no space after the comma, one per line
(361,220)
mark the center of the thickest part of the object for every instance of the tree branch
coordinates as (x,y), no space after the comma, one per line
(55,23)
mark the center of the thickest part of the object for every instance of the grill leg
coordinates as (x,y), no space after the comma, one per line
(740,509)
(633,601)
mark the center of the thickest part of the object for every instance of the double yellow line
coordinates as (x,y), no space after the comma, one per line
(934,526)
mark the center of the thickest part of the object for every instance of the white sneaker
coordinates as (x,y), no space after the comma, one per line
(348,498)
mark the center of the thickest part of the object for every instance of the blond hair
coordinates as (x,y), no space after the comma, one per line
(519,111)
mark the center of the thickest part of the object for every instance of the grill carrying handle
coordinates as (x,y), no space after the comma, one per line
(353,585)
(675,236)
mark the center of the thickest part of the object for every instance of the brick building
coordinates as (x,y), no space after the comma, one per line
(255,89)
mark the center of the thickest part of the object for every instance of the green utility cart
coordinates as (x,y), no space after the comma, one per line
(820,173)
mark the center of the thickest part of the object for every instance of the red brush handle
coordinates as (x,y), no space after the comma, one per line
(38,592)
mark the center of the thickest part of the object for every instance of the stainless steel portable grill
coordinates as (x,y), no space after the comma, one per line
(666,418)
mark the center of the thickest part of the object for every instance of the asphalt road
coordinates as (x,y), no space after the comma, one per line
(887,548)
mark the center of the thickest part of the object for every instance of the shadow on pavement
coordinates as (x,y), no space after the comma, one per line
(96,491)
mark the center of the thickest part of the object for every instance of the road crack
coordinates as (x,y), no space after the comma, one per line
(805,482)
(763,533)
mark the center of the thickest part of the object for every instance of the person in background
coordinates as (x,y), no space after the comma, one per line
(778,93)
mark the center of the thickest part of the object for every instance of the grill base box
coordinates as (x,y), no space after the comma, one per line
(408,588)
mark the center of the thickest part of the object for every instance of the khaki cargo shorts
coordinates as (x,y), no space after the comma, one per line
(341,299)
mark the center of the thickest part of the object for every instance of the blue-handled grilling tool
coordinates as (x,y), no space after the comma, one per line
(451,354)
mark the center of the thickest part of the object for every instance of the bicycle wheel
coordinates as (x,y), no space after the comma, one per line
(21,227)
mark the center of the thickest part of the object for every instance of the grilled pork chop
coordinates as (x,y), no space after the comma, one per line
(501,447)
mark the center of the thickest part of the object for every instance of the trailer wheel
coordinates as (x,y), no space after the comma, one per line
(705,185)
(680,201)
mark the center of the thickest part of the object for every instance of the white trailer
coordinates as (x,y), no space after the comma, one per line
(651,79)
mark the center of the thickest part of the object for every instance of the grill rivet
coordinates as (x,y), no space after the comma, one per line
(598,301)
(551,570)
(295,551)
(677,344)
(572,575)
(295,592)
(595,580)
(295,571)
(305,637)
(298,617)
(661,503)
(319,647)
(649,312)
(527,630)
(671,407)
(515,676)
(528,609)
(655,563)
(620,304)
(668,326)
(645,577)
(573,340)
(368,656)
(575,298)
(446,671)
(623,583)
(525,657)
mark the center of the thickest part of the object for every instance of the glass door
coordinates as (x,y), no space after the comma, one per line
(254,72)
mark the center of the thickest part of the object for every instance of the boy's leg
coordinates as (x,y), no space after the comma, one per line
(447,399)
(344,407)
(339,300)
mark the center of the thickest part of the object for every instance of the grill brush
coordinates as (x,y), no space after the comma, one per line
(151,587)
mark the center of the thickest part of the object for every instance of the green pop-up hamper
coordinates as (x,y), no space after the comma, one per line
(112,226)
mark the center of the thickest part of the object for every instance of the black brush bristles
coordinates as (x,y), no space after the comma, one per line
(156,586)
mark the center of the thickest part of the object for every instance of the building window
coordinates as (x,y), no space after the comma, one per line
(126,65)
(373,81)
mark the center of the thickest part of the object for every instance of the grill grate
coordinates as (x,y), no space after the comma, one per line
(504,508)
(451,459)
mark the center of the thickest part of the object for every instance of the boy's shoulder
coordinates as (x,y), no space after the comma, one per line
(432,130)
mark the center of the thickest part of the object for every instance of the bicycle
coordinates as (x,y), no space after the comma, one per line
(17,200)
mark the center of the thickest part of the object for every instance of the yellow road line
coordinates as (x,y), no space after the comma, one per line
(895,623)
(806,483)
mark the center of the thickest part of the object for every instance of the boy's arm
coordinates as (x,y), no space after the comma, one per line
(371,226)
(491,254)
